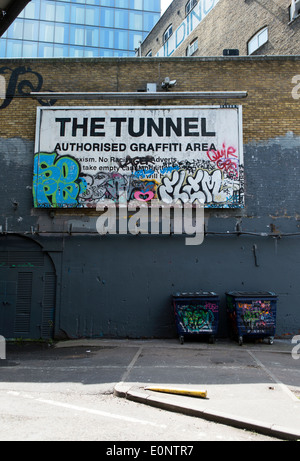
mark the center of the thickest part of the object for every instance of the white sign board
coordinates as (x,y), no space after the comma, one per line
(84,155)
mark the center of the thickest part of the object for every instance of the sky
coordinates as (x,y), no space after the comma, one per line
(164,5)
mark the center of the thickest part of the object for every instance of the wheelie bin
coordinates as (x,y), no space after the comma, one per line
(196,314)
(251,314)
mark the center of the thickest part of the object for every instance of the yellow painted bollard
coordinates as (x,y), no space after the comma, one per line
(179,391)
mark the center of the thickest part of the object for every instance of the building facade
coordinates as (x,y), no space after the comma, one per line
(83,28)
(66,270)
(208,27)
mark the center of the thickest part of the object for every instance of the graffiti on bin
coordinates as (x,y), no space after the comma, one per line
(257,317)
(197,318)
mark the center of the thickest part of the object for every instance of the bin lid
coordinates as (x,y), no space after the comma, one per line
(196,294)
(252,294)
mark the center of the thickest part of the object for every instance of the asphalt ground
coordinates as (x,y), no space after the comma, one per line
(255,386)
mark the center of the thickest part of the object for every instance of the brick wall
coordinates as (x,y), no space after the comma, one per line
(231,24)
(269,111)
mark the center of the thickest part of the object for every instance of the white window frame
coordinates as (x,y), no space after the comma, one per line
(258,40)
(190,6)
(168,32)
(192,48)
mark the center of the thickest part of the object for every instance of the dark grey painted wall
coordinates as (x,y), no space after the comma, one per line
(120,286)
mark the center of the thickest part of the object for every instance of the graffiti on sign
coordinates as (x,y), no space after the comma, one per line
(175,154)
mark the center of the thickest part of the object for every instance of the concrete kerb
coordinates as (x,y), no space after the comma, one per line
(185,406)
(136,391)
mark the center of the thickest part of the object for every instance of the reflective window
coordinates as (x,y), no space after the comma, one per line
(258,40)
(121,39)
(107,38)
(92,16)
(30,31)
(91,37)
(136,4)
(121,19)
(16,29)
(29,49)
(62,12)
(47,28)
(14,49)
(121,3)
(61,33)
(107,17)
(152,5)
(77,34)
(46,31)
(135,40)
(135,20)
(48,11)
(150,19)
(77,14)
(60,51)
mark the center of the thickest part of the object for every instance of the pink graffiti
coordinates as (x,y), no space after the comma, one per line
(225,159)
(143,196)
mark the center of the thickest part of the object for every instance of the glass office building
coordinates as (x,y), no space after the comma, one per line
(80,28)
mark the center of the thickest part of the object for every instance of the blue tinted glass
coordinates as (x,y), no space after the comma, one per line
(121,39)
(62,12)
(2,48)
(31,10)
(60,51)
(16,29)
(48,11)
(107,17)
(136,4)
(77,14)
(92,16)
(121,19)
(135,40)
(150,19)
(45,50)
(107,38)
(76,52)
(61,33)
(91,36)
(107,3)
(46,31)
(122,3)
(135,20)
(152,5)
(14,49)
(29,49)
(77,35)
(30,31)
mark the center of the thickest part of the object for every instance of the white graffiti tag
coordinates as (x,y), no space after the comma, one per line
(203,186)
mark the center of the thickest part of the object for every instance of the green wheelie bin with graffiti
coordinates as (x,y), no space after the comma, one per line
(196,314)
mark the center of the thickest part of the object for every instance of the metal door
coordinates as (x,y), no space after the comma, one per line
(27,293)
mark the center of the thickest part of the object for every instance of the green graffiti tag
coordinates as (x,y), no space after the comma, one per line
(56,181)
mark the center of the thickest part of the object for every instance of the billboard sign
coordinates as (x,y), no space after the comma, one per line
(85,155)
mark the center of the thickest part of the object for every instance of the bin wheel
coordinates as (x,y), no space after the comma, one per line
(181,339)
(271,340)
(212,340)
(240,340)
